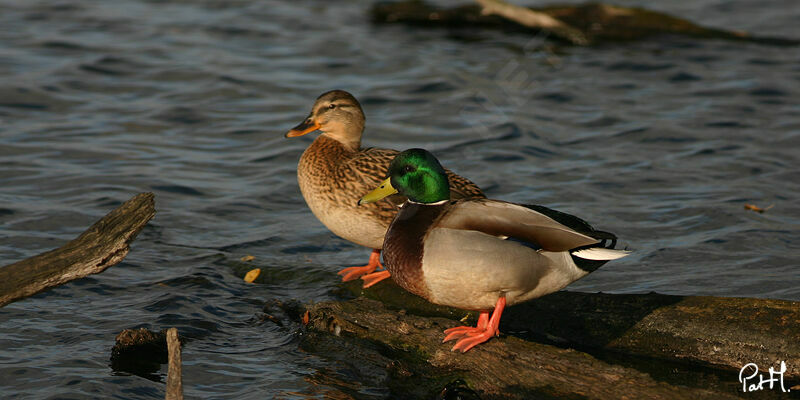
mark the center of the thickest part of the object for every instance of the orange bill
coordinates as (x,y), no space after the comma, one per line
(307,126)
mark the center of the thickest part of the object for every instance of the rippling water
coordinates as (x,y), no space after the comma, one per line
(662,142)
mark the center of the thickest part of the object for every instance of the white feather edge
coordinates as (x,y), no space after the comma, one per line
(600,254)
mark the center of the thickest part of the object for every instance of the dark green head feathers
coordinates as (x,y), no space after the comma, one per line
(417,174)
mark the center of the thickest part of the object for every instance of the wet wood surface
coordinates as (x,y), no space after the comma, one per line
(718,332)
(576,24)
(567,344)
(502,368)
(102,245)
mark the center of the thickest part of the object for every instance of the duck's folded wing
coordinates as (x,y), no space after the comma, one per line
(499,218)
(365,170)
(461,188)
(369,166)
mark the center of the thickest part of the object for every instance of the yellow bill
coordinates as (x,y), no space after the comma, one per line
(385,189)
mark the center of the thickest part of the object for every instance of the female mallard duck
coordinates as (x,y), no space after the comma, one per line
(335,169)
(480,254)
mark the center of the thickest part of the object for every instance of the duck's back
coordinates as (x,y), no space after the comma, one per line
(457,253)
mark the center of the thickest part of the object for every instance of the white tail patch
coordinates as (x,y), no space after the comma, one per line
(600,254)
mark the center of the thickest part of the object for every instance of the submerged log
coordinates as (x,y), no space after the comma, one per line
(410,347)
(582,24)
(140,352)
(717,332)
(104,244)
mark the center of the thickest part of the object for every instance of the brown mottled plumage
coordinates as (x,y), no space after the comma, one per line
(335,171)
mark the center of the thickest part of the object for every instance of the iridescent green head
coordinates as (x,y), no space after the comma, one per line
(416,174)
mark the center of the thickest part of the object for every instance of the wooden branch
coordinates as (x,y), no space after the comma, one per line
(506,367)
(533,19)
(589,23)
(104,244)
(174,383)
(719,332)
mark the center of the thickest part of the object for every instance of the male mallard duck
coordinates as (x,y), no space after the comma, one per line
(480,254)
(334,170)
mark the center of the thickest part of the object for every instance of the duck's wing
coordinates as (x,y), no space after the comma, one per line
(369,166)
(365,170)
(588,258)
(462,188)
(575,223)
(503,219)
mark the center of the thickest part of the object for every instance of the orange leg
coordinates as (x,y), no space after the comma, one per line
(351,273)
(486,329)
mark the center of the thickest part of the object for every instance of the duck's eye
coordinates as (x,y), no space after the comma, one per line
(408,168)
(331,106)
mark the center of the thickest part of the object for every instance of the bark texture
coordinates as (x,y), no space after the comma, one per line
(104,244)
(503,368)
(174,381)
(718,332)
(581,24)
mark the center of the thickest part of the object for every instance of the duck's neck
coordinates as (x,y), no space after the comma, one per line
(404,244)
(348,136)
(330,148)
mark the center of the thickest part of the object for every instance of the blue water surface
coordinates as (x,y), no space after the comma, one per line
(661,141)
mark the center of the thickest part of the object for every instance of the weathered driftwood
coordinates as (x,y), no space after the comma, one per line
(579,24)
(533,19)
(718,332)
(174,382)
(102,245)
(508,368)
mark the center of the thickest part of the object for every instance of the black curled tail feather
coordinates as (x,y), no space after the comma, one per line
(607,240)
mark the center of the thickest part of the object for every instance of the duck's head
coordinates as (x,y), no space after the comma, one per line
(416,174)
(338,115)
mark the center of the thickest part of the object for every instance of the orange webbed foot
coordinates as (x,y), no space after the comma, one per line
(460,331)
(351,273)
(375,277)
(469,337)
(469,342)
